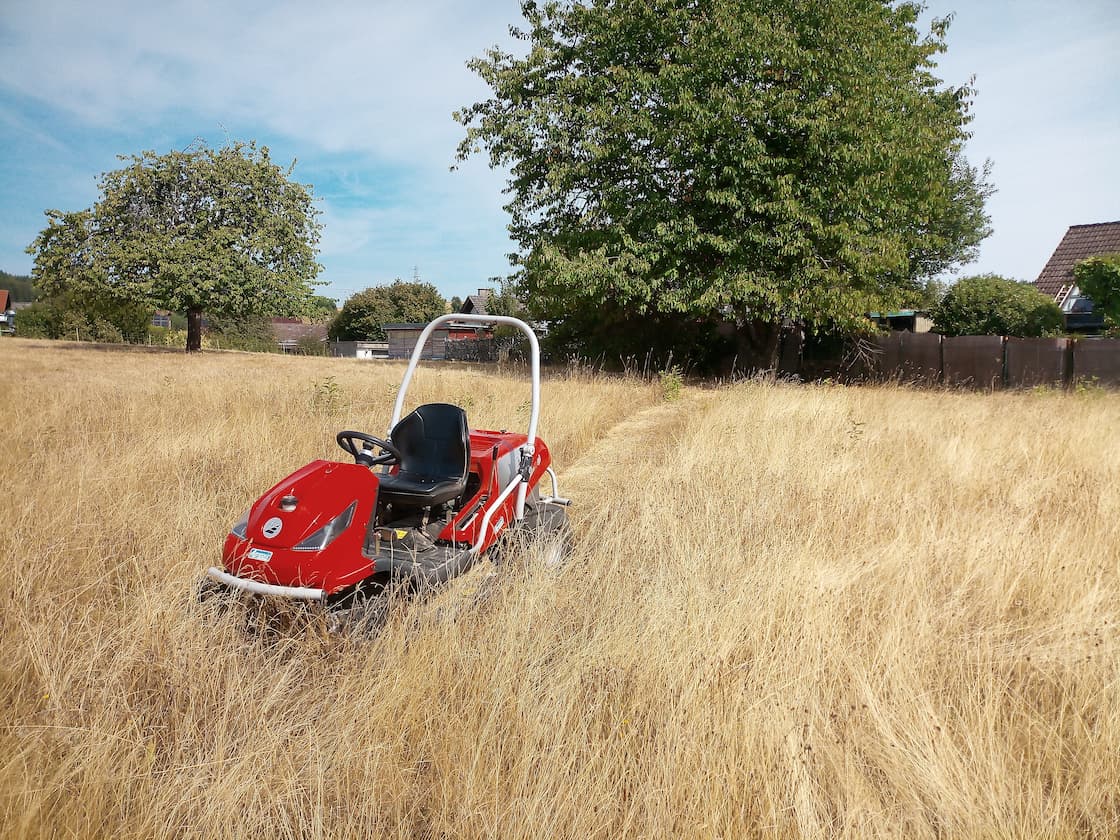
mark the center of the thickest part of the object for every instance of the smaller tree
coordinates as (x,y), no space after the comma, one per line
(222,231)
(364,315)
(323,308)
(455,304)
(1098,278)
(988,304)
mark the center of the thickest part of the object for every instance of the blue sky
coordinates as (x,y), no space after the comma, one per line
(360,93)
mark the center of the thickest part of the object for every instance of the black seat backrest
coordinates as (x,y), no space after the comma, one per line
(434,441)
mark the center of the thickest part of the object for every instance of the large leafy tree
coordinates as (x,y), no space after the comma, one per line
(225,231)
(364,315)
(745,161)
(987,304)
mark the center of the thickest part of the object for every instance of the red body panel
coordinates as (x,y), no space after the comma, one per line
(325,489)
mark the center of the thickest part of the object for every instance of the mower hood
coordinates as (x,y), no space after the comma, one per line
(304,502)
(297,532)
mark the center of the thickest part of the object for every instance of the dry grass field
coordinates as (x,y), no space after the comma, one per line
(792,612)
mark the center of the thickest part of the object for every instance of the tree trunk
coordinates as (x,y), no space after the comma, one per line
(758,343)
(194,330)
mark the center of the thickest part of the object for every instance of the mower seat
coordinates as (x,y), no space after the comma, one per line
(435,447)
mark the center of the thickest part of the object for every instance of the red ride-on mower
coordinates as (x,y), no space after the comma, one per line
(341,534)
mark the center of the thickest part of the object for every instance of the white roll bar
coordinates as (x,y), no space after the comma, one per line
(535,374)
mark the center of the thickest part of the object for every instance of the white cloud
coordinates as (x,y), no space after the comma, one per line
(376,77)
(361,92)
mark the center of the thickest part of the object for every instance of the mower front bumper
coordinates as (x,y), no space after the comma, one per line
(257,588)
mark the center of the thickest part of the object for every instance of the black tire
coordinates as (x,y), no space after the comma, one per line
(216,595)
(365,617)
(545,528)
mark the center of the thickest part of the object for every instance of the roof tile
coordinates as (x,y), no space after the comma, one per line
(1079,243)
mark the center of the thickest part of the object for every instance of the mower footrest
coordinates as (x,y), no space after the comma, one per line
(257,588)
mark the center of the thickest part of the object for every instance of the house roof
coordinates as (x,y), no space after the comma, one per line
(287,332)
(476,304)
(1079,243)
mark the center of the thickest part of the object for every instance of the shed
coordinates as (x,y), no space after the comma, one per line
(403,337)
(289,332)
(360,349)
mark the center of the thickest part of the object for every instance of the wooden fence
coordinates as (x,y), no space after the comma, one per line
(992,362)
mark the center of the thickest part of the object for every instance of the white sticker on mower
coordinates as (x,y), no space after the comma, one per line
(260,554)
(273,527)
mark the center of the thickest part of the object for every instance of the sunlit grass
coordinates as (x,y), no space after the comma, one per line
(791,611)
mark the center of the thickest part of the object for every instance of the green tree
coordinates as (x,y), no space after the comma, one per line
(364,315)
(323,308)
(222,231)
(924,295)
(1099,278)
(455,304)
(987,304)
(82,316)
(19,286)
(243,332)
(728,161)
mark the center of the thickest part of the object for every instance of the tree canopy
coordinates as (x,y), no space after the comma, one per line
(364,315)
(987,304)
(1098,278)
(224,231)
(728,160)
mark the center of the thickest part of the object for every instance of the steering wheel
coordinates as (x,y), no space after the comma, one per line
(389,453)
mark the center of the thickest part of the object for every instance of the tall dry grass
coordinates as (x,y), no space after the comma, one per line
(791,612)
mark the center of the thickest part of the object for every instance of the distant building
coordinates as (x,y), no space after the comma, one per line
(476,304)
(289,332)
(7,312)
(403,338)
(1056,280)
(904,320)
(360,349)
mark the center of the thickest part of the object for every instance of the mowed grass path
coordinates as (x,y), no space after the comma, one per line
(792,611)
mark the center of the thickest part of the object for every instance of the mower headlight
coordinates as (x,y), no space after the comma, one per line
(238,530)
(327,534)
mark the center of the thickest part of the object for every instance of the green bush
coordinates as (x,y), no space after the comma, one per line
(73,326)
(1098,278)
(311,346)
(988,304)
(672,382)
(36,321)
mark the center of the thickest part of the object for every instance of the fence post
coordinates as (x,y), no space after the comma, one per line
(1003,362)
(940,359)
